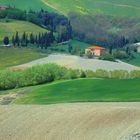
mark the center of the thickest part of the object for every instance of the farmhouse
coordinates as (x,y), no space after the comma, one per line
(2,8)
(95,50)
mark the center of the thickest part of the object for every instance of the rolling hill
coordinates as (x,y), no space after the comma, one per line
(109,7)
(26,4)
(10,28)
(12,56)
(83,90)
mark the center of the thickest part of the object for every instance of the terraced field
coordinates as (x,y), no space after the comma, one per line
(84,121)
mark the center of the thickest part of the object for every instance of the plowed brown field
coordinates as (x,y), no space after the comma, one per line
(80,121)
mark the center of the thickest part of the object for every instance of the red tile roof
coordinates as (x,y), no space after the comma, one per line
(96,47)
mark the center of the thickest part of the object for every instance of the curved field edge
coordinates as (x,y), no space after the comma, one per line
(12,56)
(84,90)
(9,28)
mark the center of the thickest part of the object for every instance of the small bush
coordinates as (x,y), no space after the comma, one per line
(107,56)
(120,54)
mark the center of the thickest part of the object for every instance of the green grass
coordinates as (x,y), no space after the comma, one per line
(26,4)
(15,56)
(10,28)
(84,90)
(109,7)
(135,61)
(74,43)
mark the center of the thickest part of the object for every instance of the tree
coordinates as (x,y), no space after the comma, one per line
(69,47)
(17,40)
(32,40)
(110,49)
(13,41)
(51,37)
(6,40)
(128,51)
(24,40)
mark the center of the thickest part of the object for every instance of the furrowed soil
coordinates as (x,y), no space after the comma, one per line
(79,121)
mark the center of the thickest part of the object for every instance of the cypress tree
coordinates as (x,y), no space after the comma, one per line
(13,41)
(24,40)
(17,39)
(32,40)
(6,40)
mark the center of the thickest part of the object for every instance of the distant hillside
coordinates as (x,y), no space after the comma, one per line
(109,7)
(26,4)
(10,28)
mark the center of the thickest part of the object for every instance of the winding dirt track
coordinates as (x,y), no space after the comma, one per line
(80,121)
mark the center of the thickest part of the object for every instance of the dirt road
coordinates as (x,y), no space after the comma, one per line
(80,121)
(76,62)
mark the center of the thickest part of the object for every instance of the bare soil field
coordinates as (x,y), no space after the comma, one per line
(80,121)
(75,62)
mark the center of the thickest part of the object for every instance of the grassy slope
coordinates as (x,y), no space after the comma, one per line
(15,56)
(10,28)
(74,43)
(136,60)
(127,7)
(84,90)
(111,7)
(26,4)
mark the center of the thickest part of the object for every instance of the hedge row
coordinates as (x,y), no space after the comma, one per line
(41,74)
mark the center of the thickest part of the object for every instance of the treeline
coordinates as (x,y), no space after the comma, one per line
(41,74)
(107,31)
(50,21)
(42,40)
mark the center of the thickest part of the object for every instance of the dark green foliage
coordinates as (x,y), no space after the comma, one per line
(32,39)
(17,39)
(24,40)
(105,30)
(13,40)
(49,21)
(70,47)
(6,40)
(119,54)
(107,56)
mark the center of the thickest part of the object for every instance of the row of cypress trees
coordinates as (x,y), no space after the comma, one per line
(42,40)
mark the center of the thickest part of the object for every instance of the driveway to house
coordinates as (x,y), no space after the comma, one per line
(76,62)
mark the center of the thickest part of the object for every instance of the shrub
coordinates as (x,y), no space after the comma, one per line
(40,74)
(102,73)
(120,74)
(8,79)
(107,56)
(72,74)
(120,54)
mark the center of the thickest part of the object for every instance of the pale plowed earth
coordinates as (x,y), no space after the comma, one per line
(76,62)
(81,121)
